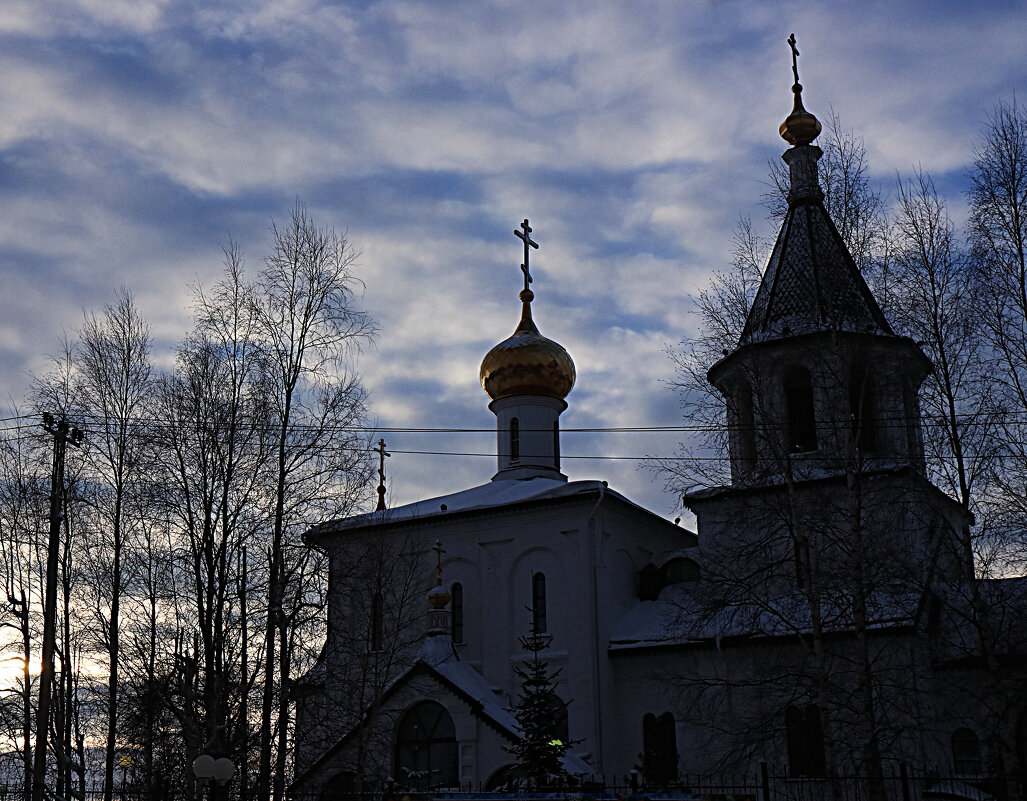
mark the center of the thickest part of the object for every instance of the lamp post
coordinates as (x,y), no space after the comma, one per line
(221,770)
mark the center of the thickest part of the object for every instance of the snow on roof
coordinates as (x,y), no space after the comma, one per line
(485,496)
(437,653)
(677,617)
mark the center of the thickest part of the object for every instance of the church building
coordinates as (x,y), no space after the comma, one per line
(825,620)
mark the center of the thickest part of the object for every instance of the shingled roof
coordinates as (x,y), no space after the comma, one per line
(811,282)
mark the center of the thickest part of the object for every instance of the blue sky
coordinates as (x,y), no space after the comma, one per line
(137,136)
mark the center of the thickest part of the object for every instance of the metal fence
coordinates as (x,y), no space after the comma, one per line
(764,785)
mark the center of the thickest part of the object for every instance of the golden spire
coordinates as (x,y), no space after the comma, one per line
(800,127)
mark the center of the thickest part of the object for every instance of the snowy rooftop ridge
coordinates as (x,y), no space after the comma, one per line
(485,496)
(678,618)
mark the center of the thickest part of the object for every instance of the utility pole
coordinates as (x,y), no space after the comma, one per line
(63,434)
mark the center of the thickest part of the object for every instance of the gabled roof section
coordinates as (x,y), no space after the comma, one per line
(496,496)
(811,283)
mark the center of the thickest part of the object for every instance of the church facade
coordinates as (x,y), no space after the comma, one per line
(825,619)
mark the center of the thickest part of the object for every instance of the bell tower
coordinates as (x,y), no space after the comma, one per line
(818,380)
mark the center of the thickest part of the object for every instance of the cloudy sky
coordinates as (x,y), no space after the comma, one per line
(137,136)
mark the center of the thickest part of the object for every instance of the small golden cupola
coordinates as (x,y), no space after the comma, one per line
(800,127)
(527,377)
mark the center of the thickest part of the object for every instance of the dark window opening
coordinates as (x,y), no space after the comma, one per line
(746,425)
(800,564)
(515,440)
(554,712)
(539,624)
(456,595)
(426,754)
(802,431)
(649,583)
(660,749)
(556,445)
(805,740)
(376,633)
(862,409)
(966,752)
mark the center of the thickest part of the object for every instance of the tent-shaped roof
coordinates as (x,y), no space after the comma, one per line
(811,283)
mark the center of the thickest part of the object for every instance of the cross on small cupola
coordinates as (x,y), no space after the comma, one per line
(382,455)
(525,236)
(795,60)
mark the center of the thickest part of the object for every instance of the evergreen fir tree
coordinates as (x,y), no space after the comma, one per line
(539,712)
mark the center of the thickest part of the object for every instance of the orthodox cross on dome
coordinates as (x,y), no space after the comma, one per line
(439,550)
(525,235)
(382,454)
(795,62)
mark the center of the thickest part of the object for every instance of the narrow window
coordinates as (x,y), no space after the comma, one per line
(650,583)
(802,432)
(376,634)
(457,599)
(515,440)
(966,752)
(660,749)
(538,604)
(805,739)
(556,445)
(746,426)
(862,409)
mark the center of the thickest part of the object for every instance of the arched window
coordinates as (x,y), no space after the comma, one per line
(515,439)
(426,754)
(456,595)
(555,711)
(660,749)
(375,635)
(862,409)
(798,391)
(805,740)
(539,624)
(966,752)
(746,425)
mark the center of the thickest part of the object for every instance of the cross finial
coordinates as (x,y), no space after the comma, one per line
(525,236)
(795,54)
(382,454)
(437,547)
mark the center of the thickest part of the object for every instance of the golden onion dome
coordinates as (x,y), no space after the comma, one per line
(438,597)
(800,127)
(527,363)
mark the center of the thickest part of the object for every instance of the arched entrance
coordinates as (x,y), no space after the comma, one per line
(426,754)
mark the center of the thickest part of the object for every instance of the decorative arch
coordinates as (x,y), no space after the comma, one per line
(426,747)
(540,559)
